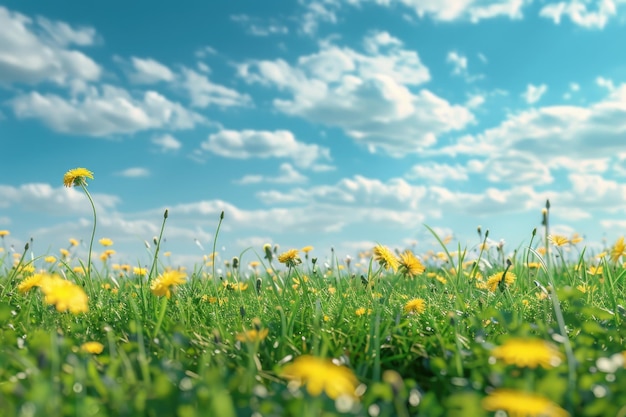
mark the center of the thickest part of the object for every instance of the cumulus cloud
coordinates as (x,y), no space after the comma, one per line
(458,62)
(36,51)
(106,111)
(259,27)
(369,96)
(437,173)
(246,144)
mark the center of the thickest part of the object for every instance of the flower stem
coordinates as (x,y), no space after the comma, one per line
(93,234)
(161,316)
(217,232)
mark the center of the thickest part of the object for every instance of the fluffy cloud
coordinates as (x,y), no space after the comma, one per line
(33,52)
(110,110)
(438,173)
(579,14)
(149,71)
(458,62)
(259,27)
(369,95)
(246,144)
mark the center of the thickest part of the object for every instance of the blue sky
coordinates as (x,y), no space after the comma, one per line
(327,123)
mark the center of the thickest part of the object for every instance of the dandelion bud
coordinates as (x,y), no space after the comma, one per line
(165,214)
(235,262)
(259,283)
(480,232)
(267,248)
(26,246)
(547,204)
(145,242)
(155,240)
(534,231)
(222,215)
(486,233)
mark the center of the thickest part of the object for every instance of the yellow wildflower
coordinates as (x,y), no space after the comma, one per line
(253,335)
(34,280)
(307,249)
(77,177)
(522,404)
(73,242)
(50,259)
(528,353)
(65,295)
(140,271)
(95,348)
(290,258)
(410,265)
(105,241)
(162,285)
(595,270)
(4,233)
(618,249)
(496,279)
(321,375)
(360,311)
(558,240)
(385,258)
(416,305)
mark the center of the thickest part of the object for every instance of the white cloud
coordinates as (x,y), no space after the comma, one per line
(64,35)
(578,13)
(204,93)
(28,56)
(369,96)
(452,10)
(246,144)
(167,143)
(534,93)
(438,173)
(150,71)
(458,62)
(316,12)
(605,83)
(259,27)
(515,167)
(110,110)
(287,175)
(134,172)
(475,101)
(42,198)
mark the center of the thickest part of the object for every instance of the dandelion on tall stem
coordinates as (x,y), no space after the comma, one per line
(77,177)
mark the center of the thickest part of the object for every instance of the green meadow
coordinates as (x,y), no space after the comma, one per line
(447,331)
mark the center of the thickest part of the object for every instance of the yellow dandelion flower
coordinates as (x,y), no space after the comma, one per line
(253,335)
(105,241)
(237,286)
(50,259)
(168,253)
(601,255)
(595,270)
(162,285)
(65,295)
(4,233)
(618,249)
(495,280)
(416,305)
(290,258)
(307,249)
(410,265)
(64,253)
(533,265)
(35,280)
(332,290)
(77,177)
(140,271)
(321,375)
(522,404)
(576,238)
(360,311)
(558,240)
(95,348)
(528,353)
(385,258)
(254,264)
(73,242)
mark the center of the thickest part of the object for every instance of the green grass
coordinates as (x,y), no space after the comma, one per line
(181,357)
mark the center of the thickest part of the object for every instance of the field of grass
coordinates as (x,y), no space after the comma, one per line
(451,332)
